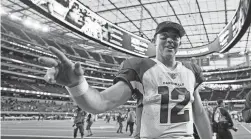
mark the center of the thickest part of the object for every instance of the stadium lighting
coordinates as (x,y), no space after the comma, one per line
(36,25)
(221,55)
(2,11)
(27,22)
(242,53)
(14,17)
(45,29)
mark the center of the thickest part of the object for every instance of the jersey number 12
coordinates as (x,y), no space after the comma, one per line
(175,117)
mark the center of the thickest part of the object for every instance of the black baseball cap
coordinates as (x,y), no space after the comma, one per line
(219,101)
(168,24)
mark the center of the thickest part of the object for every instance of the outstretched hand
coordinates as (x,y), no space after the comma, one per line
(62,72)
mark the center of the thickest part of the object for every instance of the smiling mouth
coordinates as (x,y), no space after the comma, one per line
(170,49)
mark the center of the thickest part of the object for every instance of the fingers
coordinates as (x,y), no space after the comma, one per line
(49,62)
(50,75)
(78,69)
(60,55)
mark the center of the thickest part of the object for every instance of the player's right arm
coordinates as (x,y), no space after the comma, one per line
(66,73)
(96,102)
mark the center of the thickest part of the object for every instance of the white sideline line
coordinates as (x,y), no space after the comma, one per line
(53,130)
(63,136)
(246,129)
(94,127)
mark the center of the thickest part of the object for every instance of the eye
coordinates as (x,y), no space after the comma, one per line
(163,36)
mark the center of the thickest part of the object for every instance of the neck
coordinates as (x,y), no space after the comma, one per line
(169,62)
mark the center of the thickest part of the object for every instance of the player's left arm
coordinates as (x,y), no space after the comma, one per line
(201,119)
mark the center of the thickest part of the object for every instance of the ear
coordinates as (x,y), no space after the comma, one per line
(154,39)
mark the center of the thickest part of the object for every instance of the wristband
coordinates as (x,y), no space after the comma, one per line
(78,90)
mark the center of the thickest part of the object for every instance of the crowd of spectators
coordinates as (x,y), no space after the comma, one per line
(229,76)
(227,94)
(15,32)
(227,69)
(33,105)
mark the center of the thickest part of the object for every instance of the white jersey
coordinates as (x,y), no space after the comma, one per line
(167,96)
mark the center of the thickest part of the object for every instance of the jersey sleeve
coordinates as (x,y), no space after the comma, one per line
(199,78)
(129,73)
(198,74)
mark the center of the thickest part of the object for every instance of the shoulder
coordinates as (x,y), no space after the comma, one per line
(193,67)
(196,71)
(137,63)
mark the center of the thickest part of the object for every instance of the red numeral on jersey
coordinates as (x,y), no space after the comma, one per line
(174,116)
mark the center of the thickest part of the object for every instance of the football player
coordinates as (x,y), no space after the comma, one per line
(170,101)
(246,112)
(223,120)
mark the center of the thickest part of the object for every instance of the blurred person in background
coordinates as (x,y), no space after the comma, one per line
(246,112)
(120,120)
(222,121)
(89,121)
(79,122)
(131,120)
(108,117)
(127,124)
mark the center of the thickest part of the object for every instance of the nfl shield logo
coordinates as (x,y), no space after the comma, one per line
(173,75)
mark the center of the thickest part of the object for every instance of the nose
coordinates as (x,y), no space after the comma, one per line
(170,40)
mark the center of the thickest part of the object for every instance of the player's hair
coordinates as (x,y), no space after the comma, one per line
(219,101)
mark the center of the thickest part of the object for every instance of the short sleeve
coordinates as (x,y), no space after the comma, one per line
(128,72)
(199,78)
(198,74)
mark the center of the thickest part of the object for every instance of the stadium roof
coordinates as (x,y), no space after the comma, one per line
(202,19)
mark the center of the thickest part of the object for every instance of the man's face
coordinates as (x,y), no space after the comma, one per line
(167,42)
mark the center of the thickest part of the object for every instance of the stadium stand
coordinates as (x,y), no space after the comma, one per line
(82,53)
(68,49)
(95,56)
(3,30)
(108,59)
(15,32)
(119,60)
(35,38)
